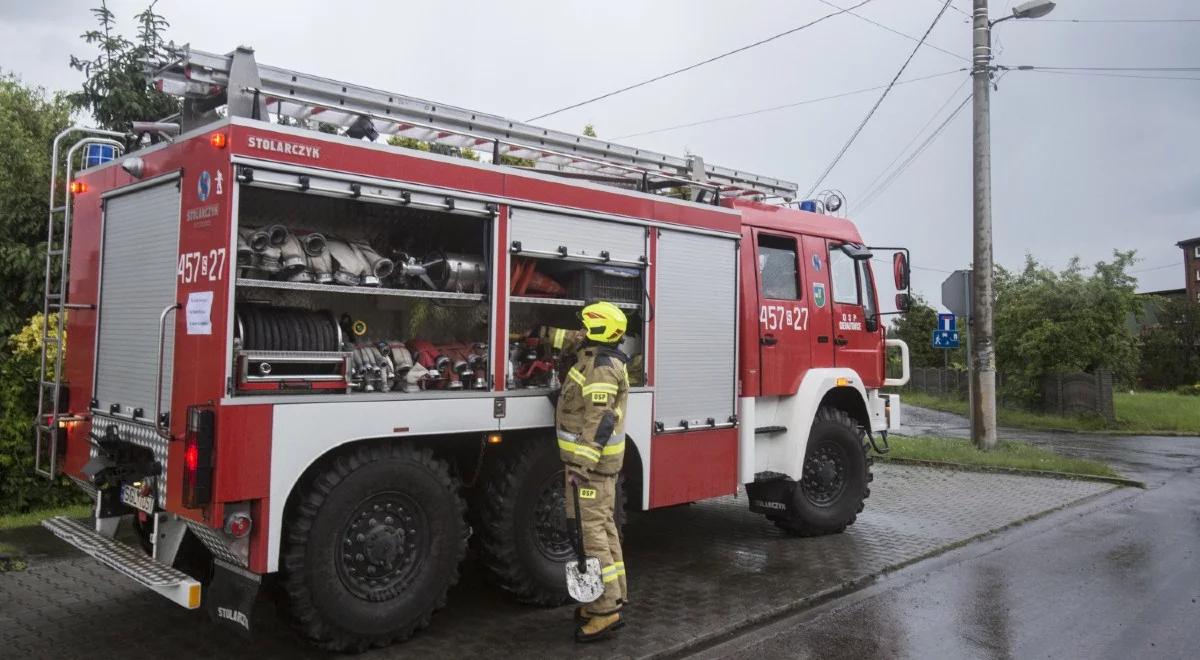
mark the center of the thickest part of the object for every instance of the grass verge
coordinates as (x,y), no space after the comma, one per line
(1009,454)
(36,517)
(1137,413)
(1149,412)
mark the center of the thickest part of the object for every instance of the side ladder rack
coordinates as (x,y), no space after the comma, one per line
(54,301)
(207,81)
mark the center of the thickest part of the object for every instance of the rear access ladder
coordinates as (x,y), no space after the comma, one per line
(207,81)
(50,411)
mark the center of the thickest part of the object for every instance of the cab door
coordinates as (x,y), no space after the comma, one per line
(858,339)
(783,315)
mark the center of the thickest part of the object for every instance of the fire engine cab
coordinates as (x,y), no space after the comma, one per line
(317,353)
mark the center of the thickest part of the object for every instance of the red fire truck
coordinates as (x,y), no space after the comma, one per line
(316,352)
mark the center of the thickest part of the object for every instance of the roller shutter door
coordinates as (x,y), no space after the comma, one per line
(541,232)
(696,330)
(137,280)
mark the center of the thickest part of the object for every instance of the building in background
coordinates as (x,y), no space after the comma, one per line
(1191,263)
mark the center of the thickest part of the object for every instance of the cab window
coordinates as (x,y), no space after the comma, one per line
(777,267)
(843,273)
(867,286)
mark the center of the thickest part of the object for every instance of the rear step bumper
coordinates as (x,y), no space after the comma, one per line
(175,585)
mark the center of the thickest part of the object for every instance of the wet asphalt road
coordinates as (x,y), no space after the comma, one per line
(1118,577)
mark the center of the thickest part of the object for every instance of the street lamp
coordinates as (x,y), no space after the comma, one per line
(983,350)
(1031,9)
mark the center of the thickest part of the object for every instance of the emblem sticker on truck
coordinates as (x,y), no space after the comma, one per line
(819,294)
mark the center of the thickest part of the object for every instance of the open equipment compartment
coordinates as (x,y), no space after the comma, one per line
(347,292)
(550,282)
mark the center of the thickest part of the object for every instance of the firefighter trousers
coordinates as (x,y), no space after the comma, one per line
(597,501)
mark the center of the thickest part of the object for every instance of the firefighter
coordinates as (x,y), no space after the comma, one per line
(591,439)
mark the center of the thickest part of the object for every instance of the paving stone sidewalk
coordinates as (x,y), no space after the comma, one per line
(695,572)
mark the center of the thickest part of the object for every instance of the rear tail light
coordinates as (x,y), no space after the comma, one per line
(198,457)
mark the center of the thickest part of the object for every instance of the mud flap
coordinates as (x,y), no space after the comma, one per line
(772,498)
(230,597)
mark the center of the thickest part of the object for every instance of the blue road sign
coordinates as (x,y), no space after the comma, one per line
(947,323)
(945,339)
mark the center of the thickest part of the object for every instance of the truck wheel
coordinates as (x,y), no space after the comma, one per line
(523,536)
(830,492)
(373,543)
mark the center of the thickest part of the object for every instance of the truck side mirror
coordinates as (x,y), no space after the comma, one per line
(900,272)
(903,302)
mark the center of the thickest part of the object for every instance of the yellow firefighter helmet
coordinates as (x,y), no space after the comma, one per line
(604,322)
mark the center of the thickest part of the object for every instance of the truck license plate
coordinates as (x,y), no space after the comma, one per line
(132,495)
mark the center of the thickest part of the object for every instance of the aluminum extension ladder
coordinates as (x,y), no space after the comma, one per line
(207,81)
(54,302)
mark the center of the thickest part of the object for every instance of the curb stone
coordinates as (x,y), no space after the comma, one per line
(950,465)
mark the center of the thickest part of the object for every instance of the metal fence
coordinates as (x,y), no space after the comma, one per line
(1061,394)
(1079,394)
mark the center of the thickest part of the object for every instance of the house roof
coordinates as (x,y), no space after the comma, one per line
(1188,241)
(1164,292)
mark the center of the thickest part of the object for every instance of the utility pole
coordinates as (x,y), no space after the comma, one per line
(982,349)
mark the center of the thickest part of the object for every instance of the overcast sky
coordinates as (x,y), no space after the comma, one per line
(1081,164)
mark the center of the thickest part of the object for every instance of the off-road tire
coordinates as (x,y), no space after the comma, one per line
(507,509)
(318,583)
(836,432)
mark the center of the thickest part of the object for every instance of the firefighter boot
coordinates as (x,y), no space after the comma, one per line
(598,627)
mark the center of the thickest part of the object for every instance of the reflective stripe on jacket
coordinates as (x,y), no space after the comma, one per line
(590,418)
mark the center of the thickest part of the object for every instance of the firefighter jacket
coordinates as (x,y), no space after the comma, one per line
(590,419)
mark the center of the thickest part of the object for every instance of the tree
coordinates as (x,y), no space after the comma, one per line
(1171,347)
(29,120)
(116,90)
(1048,322)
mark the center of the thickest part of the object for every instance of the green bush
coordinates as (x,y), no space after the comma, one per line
(20,489)
(1190,390)
(1050,321)
(1171,346)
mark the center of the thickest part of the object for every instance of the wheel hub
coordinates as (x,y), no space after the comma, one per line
(550,533)
(382,546)
(825,472)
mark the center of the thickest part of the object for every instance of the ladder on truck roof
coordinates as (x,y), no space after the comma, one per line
(206,81)
(51,403)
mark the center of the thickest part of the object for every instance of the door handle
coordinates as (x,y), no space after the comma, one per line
(841,341)
(769,340)
(163,430)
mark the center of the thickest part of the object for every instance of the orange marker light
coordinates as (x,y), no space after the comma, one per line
(218,140)
(78,187)
(494,439)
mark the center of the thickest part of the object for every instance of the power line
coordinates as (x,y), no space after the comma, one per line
(1029,67)
(698,64)
(936,113)
(895,31)
(1094,74)
(785,106)
(875,107)
(1173,264)
(932,270)
(1116,20)
(955,8)
(913,156)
